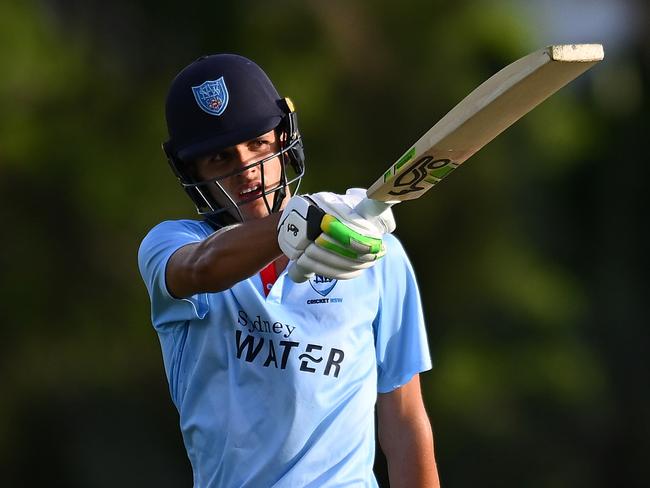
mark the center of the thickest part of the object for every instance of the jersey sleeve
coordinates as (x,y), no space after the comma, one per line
(154,253)
(400,335)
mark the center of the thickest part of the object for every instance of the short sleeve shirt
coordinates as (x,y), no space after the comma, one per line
(279,390)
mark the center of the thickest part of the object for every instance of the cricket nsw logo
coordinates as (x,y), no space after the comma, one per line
(212,96)
(322,285)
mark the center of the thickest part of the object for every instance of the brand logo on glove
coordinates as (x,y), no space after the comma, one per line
(293,228)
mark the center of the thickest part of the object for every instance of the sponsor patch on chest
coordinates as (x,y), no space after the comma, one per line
(265,343)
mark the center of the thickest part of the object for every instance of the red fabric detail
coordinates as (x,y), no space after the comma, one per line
(269,276)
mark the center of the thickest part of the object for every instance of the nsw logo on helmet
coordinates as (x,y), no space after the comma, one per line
(212,96)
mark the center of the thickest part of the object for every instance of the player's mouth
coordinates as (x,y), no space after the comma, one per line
(250,192)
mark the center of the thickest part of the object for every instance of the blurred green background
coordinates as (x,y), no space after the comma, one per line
(531,258)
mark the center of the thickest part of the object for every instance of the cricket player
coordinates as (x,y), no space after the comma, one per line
(276,382)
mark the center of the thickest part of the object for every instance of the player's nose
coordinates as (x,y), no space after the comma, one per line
(245,157)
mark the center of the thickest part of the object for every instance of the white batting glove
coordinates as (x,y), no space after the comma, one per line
(338,244)
(298,227)
(342,207)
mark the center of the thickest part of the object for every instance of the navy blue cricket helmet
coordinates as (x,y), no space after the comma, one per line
(219,101)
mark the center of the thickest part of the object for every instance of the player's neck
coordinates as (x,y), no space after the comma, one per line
(281,263)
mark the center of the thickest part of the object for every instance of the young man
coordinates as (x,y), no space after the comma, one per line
(276,382)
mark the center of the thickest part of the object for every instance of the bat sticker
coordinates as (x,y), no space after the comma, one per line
(424,169)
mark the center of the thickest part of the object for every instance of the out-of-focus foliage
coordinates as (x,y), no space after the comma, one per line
(530,257)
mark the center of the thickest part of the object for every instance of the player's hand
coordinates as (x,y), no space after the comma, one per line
(349,242)
(343,208)
(323,234)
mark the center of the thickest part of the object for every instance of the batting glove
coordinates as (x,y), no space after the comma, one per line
(323,234)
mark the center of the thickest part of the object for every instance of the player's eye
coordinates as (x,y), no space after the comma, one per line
(261,143)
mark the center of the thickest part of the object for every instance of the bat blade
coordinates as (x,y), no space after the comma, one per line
(481,116)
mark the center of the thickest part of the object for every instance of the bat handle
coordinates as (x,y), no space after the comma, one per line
(367,208)
(297,273)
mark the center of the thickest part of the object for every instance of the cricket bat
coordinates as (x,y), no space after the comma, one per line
(487,111)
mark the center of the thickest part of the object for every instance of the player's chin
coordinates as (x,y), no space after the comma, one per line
(259,206)
(255,209)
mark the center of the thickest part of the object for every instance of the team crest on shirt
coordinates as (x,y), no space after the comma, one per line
(212,96)
(322,285)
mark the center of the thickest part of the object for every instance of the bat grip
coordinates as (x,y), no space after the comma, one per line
(367,208)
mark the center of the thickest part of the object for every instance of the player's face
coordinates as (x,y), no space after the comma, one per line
(245,185)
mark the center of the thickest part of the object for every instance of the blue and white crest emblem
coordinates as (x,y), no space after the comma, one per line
(212,96)
(321,284)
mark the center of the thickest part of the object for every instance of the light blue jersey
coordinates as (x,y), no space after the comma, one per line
(279,391)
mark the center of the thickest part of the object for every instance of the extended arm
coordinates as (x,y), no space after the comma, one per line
(406,438)
(224,258)
(234,254)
